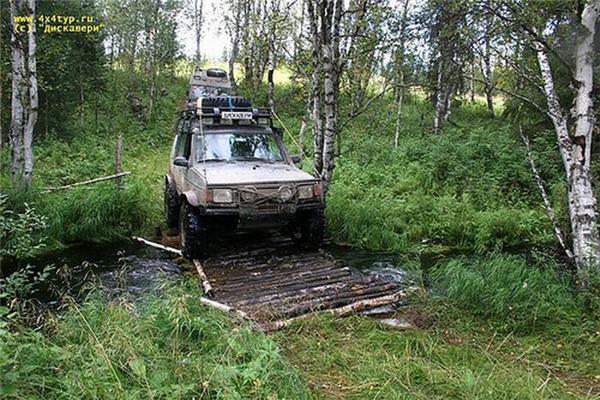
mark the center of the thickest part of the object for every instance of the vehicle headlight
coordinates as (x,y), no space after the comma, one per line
(305,192)
(222,196)
(285,193)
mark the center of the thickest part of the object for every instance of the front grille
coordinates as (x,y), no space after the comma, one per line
(269,195)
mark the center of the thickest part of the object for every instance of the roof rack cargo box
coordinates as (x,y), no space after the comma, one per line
(214,77)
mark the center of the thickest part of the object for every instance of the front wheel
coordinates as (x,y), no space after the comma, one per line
(192,233)
(308,229)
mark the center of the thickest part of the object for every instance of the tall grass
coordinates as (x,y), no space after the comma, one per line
(516,295)
(172,346)
(357,358)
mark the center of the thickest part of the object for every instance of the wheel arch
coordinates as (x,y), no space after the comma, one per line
(190,198)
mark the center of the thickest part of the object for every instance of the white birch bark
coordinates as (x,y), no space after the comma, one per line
(440,102)
(487,62)
(330,64)
(198,20)
(17,97)
(32,111)
(316,88)
(400,60)
(576,152)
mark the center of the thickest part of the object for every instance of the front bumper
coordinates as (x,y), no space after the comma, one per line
(248,211)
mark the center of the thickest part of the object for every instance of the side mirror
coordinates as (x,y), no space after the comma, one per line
(296,159)
(277,132)
(181,162)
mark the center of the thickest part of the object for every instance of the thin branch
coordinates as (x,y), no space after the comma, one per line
(367,105)
(513,94)
(89,182)
(547,206)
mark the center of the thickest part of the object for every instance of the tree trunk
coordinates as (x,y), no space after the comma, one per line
(316,90)
(443,98)
(487,63)
(32,111)
(17,97)
(272,65)
(399,99)
(331,69)
(198,20)
(576,151)
(472,83)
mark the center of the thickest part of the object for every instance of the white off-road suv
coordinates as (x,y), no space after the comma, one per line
(229,171)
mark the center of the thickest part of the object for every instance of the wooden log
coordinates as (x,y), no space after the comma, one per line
(280,285)
(344,310)
(89,182)
(157,245)
(333,300)
(299,295)
(264,280)
(314,302)
(224,307)
(203,278)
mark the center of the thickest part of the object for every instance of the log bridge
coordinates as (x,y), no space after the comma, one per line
(275,283)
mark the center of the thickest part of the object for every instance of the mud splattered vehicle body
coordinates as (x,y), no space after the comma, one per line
(229,171)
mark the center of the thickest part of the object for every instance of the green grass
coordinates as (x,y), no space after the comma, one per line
(521,296)
(358,358)
(171,346)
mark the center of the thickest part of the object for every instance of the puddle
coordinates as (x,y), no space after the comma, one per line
(118,269)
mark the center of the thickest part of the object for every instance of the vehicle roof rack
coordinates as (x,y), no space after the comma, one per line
(236,116)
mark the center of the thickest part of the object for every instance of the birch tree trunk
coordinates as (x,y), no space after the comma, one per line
(316,89)
(400,61)
(576,151)
(198,20)
(487,62)
(271,72)
(17,96)
(331,64)
(32,110)
(442,99)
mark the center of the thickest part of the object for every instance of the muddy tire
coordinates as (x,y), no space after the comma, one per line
(192,233)
(171,206)
(309,229)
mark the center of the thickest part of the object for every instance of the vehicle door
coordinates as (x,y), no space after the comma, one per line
(181,150)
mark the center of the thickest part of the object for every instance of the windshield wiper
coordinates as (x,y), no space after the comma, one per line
(251,159)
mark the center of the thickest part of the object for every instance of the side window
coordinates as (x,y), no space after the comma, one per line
(187,146)
(178,150)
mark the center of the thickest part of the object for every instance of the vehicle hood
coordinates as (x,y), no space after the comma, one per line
(242,173)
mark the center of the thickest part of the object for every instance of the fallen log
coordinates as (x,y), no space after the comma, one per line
(224,307)
(344,310)
(157,245)
(88,182)
(203,278)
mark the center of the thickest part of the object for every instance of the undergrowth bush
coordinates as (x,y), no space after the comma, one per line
(105,213)
(169,347)
(509,291)
(469,186)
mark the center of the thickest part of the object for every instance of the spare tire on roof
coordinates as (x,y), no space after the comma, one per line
(226,101)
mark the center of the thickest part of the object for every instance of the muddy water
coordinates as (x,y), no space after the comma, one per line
(135,269)
(118,269)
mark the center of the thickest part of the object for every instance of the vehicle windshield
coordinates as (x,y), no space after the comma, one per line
(247,146)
